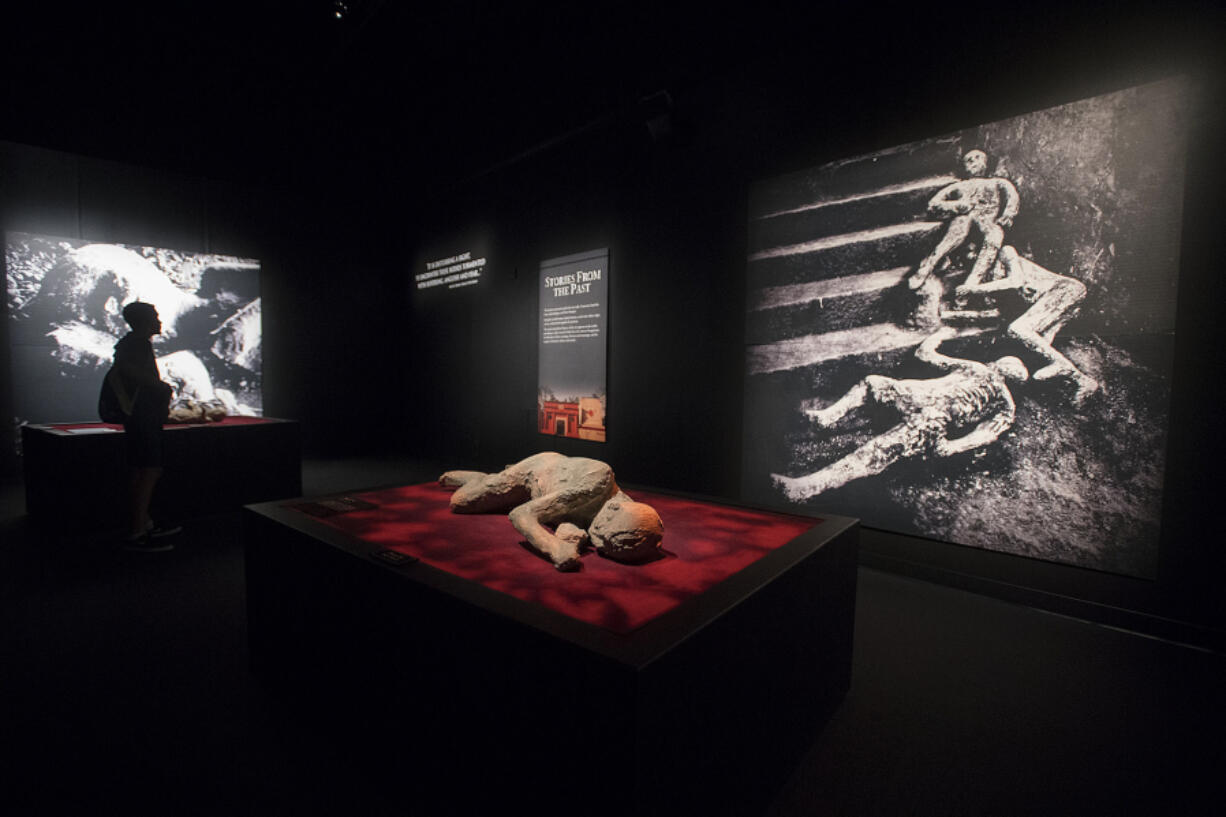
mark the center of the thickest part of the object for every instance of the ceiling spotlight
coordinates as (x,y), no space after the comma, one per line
(339,9)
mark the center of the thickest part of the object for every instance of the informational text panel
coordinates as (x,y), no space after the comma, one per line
(571,395)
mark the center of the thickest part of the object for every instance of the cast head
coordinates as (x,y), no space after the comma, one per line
(976,163)
(627,531)
(1011,368)
(142,317)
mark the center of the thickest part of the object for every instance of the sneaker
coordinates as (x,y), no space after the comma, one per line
(156,531)
(145,544)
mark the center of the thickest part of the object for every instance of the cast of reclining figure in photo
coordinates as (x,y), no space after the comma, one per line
(575,496)
(965,409)
(186,410)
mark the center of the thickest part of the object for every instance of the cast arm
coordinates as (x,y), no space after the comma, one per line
(528,520)
(928,353)
(986,432)
(1012,202)
(1013,277)
(949,201)
(999,285)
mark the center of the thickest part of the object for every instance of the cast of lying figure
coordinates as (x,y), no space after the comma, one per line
(1053,300)
(575,495)
(967,408)
(988,203)
(186,410)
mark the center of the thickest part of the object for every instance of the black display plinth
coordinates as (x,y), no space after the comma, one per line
(76,475)
(473,699)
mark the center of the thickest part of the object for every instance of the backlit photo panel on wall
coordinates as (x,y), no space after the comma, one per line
(65,299)
(571,393)
(970,338)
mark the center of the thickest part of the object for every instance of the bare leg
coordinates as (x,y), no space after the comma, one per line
(871,458)
(959,228)
(527,519)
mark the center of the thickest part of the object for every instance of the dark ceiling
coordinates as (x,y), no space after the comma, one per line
(267,90)
(290,93)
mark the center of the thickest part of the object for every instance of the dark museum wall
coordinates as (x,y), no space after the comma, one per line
(370,368)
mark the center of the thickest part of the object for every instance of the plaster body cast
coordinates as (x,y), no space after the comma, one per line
(576,495)
(968,408)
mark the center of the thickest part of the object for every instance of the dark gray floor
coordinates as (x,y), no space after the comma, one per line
(125,690)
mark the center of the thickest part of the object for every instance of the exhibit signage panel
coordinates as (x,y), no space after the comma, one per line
(461,269)
(65,298)
(571,393)
(450,266)
(970,338)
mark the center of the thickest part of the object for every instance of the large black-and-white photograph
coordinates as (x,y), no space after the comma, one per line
(65,299)
(970,338)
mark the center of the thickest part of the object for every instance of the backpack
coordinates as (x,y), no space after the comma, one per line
(114,403)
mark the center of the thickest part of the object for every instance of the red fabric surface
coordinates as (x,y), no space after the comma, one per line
(228,421)
(705,543)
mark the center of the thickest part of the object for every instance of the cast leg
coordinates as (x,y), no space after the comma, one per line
(926,312)
(1038,327)
(834,412)
(993,237)
(869,459)
(958,230)
(1057,307)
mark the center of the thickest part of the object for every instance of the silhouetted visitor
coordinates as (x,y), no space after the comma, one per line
(140,387)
